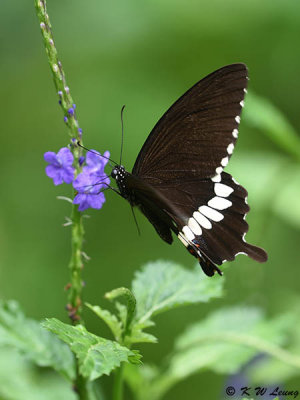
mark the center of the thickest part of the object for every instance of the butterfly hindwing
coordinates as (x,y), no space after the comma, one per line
(211,216)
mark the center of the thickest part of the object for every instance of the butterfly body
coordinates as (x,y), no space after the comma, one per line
(178,180)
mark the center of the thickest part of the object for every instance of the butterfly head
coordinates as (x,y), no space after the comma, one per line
(118,172)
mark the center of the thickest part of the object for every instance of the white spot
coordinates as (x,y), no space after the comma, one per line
(183,240)
(222,190)
(238,119)
(188,233)
(42,25)
(242,103)
(224,161)
(203,221)
(230,148)
(240,252)
(194,226)
(211,214)
(235,133)
(216,178)
(219,203)
(219,170)
(55,67)
(245,90)
(51,42)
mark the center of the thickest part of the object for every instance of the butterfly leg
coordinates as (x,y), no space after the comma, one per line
(113,189)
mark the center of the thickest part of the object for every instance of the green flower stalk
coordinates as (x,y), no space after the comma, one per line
(74,305)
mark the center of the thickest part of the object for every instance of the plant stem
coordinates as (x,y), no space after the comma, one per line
(118,383)
(65,100)
(63,91)
(74,306)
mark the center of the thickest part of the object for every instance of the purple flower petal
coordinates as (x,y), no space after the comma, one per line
(95,163)
(51,171)
(60,167)
(65,156)
(67,175)
(90,187)
(82,200)
(57,180)
(96,200)
(50,157)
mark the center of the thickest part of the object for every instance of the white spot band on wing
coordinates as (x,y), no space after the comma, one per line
(219,203)
(211,213)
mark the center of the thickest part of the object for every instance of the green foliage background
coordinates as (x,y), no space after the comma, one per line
(145,54)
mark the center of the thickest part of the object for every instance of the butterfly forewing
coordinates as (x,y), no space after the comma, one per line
(198,133)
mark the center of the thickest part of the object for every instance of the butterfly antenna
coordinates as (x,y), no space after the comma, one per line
(95,152)
(122,140)
(135,220)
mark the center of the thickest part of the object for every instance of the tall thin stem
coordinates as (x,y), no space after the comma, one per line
(118,383)
(74,306)
(65,100)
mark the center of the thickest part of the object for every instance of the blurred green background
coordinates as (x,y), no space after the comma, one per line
(144,54)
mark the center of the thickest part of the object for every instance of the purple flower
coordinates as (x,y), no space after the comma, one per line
(60,167)
(89,190)
(95,163)
(91,182)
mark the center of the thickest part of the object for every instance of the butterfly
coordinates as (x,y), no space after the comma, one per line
(178,180)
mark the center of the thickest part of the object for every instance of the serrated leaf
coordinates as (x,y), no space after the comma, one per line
(110,319)
(27,336)
(96,355)
(163,285)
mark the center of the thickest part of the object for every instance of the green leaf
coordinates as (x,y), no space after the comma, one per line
(38,345)
(110,319)
(262,114)
(96,355)
(269,369)
(228,338)
(223,342)
(20,379)
(138,336)
(131,305)
(163,285)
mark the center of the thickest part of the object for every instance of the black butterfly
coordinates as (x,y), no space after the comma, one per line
(178,181)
